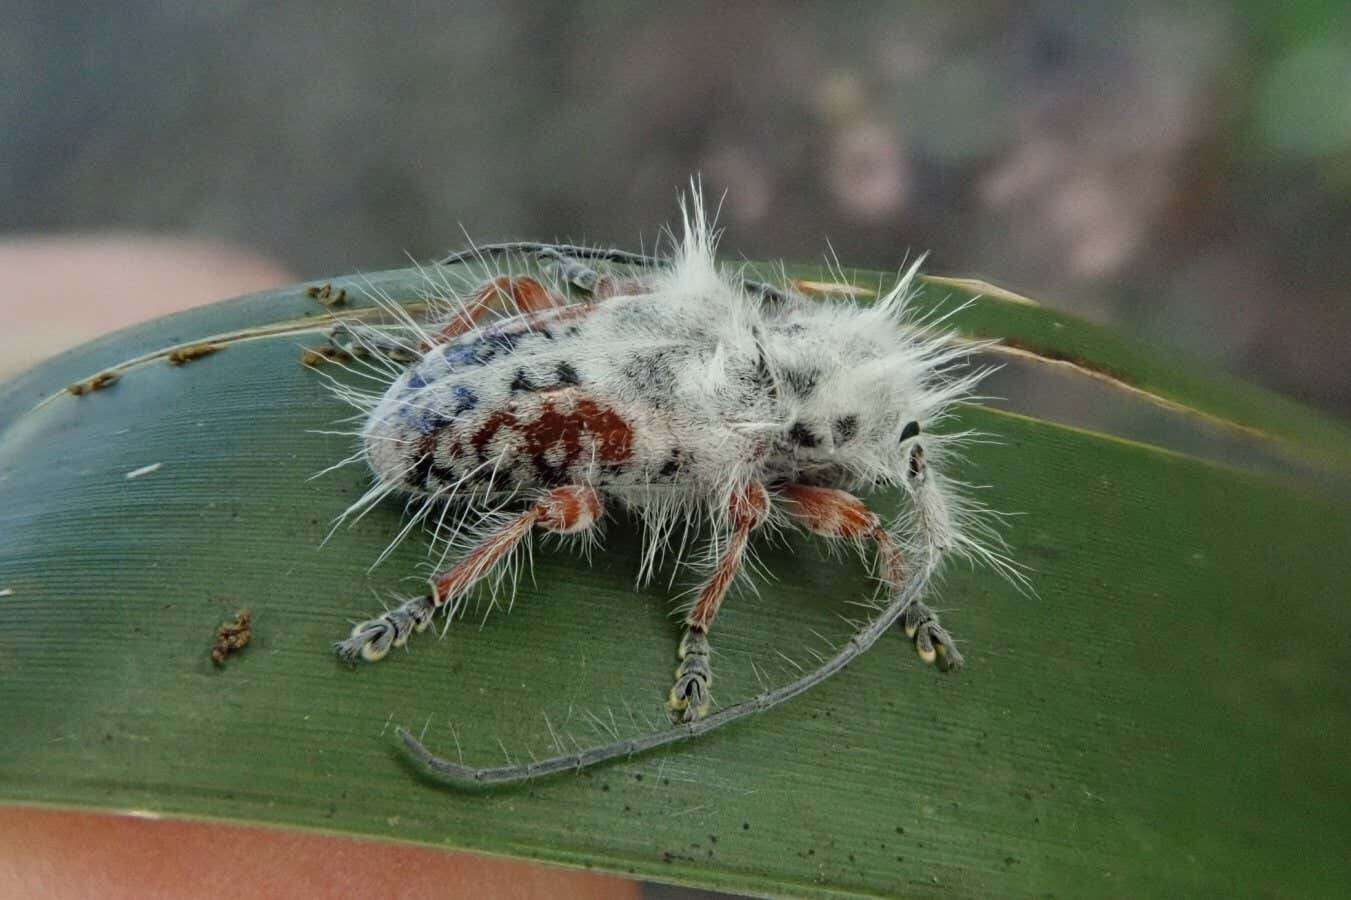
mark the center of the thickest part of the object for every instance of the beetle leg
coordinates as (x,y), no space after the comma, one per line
(565,510)
(690,699)
(601,286)
(514,293)
(840,515)
(527,296)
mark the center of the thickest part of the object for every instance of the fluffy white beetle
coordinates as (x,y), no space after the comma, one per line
(685,395)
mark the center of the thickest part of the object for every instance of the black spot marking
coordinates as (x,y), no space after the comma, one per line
(567,374)
(652,376)
(465,399)
(522,382)
(764,378)
(803,384)
(672,465)
(418,474)
(549,475)
(495,479)
(443,474)
(802,435)
(507,340)
(845,428)
(910,430)
(429,424)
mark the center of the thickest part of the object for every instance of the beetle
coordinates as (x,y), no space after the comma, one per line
(681,393)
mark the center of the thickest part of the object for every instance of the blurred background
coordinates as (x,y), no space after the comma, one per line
(1181,170)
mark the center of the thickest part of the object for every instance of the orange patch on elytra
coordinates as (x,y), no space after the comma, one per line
(555,424)
(614,437)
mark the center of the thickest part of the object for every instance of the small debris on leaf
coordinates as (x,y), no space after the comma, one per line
(320,355)
(143,470)
(187,354)
(326,295)
(97,383)
(232,636)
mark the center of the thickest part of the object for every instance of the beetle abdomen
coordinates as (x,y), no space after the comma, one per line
(499,409)
(543,438)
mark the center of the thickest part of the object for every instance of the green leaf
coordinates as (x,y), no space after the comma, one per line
(1169,714)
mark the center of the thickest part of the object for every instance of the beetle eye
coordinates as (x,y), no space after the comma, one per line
(909,431)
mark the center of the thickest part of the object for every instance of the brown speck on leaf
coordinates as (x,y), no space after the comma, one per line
(232,636)
(97,383)
(184,355)
(326,295)
(320,355)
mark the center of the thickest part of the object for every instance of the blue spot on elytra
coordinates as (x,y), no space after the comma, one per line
(464,398)
(506,341)
(429,423)
(415,381)
(457,355)
(425,421)
(486,347)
